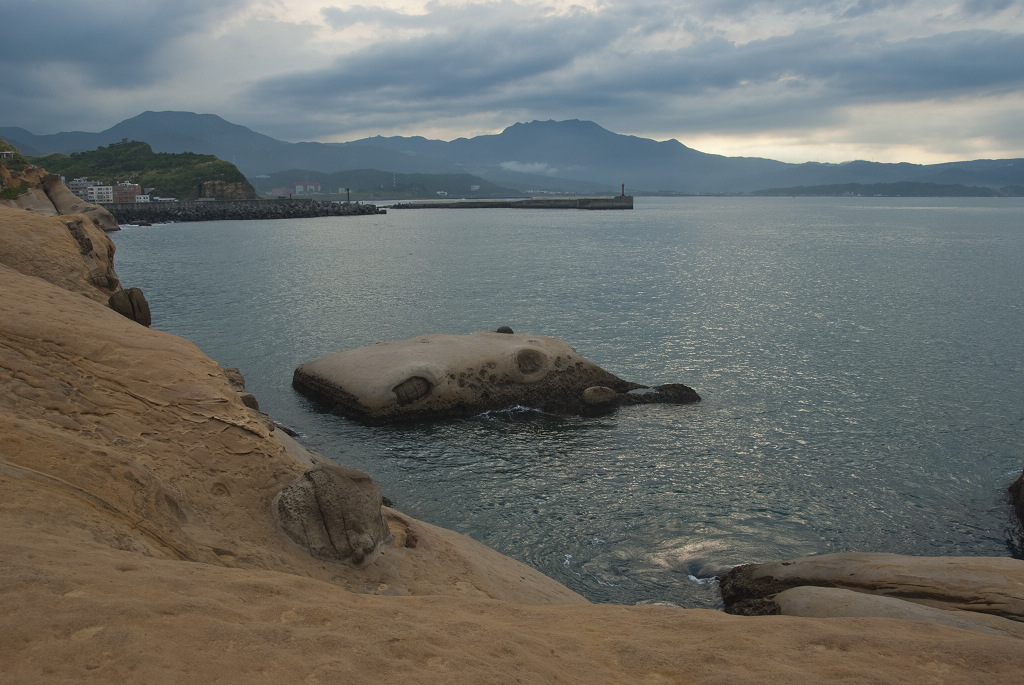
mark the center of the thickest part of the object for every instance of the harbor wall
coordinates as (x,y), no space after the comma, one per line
(611,202)
(224,210)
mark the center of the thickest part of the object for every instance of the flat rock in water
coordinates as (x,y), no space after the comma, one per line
(441,376)
(989,585)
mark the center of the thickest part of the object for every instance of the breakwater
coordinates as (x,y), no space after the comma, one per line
(225,210)
(612,202)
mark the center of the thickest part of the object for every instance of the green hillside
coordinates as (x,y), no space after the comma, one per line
(183,175)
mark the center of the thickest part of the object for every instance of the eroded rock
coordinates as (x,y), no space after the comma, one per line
(1017,496)
(990,585)
(66,202)
(67,251)
(335,514)
(828,602)
(599,396)
(235,378)
(132,304)
(442,376)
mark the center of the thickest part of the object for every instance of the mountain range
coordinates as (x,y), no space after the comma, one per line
(539,156)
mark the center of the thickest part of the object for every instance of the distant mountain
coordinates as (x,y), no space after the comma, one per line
(555,156)
(584,151)
(253,153)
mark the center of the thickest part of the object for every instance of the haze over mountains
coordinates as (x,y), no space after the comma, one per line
(556,156)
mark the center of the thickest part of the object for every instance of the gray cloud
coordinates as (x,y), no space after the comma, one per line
(985,7)
(106,44)
(359,14)
(732,67)
(572,61)
(467,58)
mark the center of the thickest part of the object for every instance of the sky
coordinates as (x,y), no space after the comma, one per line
(922,81)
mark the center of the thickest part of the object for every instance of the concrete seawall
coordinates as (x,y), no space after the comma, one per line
(612,202)
(225,210)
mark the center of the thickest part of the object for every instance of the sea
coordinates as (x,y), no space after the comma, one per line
(860,360)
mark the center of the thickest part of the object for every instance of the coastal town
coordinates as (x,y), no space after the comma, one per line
(97,192)
(127,192)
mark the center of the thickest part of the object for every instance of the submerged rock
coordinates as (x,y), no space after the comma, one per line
(441,376)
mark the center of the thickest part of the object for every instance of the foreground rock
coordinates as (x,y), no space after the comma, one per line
(441,376)
(71,252)
(334,513)
(830,602)
(67,251)
(138,545)
(45,194)
(986,592)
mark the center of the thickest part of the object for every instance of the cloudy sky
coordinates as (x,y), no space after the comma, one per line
(796,80)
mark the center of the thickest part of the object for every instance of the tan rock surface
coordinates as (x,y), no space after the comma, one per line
(46,247)
(35,200)
(137,545)
(81,612)
(49,196)
(830,602)
(66,202)
(990,585)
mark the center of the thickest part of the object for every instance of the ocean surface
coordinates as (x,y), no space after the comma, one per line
(861,363)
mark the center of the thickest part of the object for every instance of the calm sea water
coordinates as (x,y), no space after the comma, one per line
(861,363)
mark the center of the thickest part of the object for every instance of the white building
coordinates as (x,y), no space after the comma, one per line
(80,186)
(99,194)
(306,188)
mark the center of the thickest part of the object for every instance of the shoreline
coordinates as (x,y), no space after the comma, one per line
(593,203)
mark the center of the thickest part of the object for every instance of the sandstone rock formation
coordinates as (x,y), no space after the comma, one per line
(335,514)
(66,202)
(439,376)
(47,195)
(132,304)
(67,251)
(70,252)
(36,246)
(138,544)
(832,602)
(959,591)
